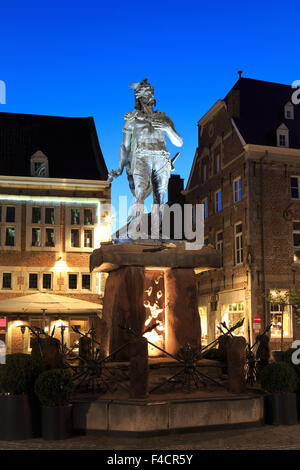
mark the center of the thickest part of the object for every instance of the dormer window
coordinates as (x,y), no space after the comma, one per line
(39,165)
(289,111)
(283,136)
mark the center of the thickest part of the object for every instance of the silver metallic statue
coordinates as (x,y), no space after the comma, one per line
(143,150)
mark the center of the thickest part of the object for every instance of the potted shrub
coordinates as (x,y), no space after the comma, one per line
(20,416)
(288,358)
(54,388)
(280,381)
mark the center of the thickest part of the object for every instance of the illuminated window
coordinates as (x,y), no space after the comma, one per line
(88,239)
(203,323)
(280,315)
(233,313)
(238,240)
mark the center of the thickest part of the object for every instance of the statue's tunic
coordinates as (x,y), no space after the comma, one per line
(149,163)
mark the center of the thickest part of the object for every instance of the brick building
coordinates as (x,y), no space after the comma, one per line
(246,172)
(52,189)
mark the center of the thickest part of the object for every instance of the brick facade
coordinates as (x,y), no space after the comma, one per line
(266,213)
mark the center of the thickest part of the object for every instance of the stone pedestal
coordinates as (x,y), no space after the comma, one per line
(182,317)
(236,361)
(128,264)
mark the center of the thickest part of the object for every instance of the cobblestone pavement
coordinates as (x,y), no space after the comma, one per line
(255,438)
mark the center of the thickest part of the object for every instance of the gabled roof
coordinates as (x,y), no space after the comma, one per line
(70,144)
(262,112)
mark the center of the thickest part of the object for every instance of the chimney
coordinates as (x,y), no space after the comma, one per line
(175,187)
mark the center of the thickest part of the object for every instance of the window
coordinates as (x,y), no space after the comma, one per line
(294,180)
(39,165)
(47,281)
(203,323)
(75,238)
(88,217)
(80,227)
(205,241)
(50,237)
(194,214)
(233,313)
(289,111)
(280,316)
(218,163)
(72,281)
(218,201)
(296,240)
(75,216)
(86,281)
(282,136)
(6,281)
(238,236)
(88,241)
(36,215)
(282,140)
(49,216)
(33,281)
(10,236)
(204,172)
(36,237)
(10,214)
(205,202)
(219,243)
(237,189)
(43,233)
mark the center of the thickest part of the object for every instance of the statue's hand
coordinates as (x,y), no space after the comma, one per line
(114,174)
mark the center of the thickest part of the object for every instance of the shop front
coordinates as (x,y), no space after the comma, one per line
(55,314)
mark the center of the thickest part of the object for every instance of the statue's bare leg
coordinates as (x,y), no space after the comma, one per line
(160,179)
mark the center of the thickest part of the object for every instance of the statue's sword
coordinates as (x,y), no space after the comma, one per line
(174,160)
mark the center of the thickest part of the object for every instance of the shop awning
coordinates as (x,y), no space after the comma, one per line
(49,304)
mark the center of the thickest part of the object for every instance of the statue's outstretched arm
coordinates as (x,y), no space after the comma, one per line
(124,154)
(167,126)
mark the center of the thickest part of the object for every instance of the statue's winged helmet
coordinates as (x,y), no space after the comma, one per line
(140,88)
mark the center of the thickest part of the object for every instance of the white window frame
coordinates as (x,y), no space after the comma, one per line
(238,251)
(16,225)
(284,132)
(38,281)
(43,226)
(81,227)
(297,232)
(39,157)
(289,108)
(298,187)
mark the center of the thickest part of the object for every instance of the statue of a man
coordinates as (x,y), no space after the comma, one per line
(143,150)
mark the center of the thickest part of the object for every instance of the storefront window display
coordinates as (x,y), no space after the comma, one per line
(231,314)
(279,314)
(203,320)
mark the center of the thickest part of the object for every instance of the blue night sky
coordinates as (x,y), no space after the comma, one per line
(77,59)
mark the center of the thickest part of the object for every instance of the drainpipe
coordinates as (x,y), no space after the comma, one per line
(262,233)
(251,265)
